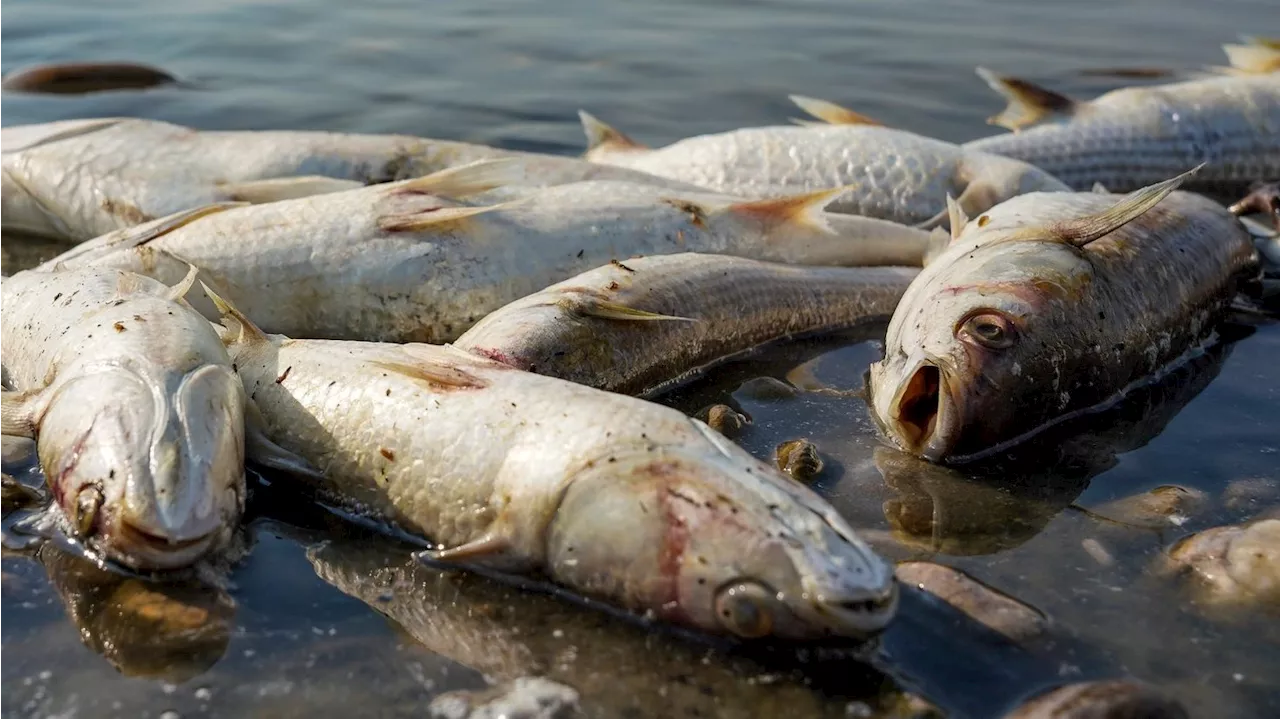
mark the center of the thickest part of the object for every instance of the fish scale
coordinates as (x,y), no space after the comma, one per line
(891,174)
(1134,137)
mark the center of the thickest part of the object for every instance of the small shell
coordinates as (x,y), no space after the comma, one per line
(1108,698)
(1161,507)
(723,419)
(799,458)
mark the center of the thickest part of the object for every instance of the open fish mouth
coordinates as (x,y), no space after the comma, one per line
(922,417)
(863,616)
(141,549)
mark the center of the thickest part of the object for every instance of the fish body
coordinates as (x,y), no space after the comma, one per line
(78,179)
(890,174)
(635,326)
(1050,305)
(389,263)
(1137,136)
(608,495)
(137,414)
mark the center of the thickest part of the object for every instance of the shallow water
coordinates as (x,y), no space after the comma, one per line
(325,620)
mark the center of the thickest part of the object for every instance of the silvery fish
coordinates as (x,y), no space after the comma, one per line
(640,325)
(1137,136)
(77,179)
(889,174)
(1050,305)
(403,262)
(611,496)
(137,414)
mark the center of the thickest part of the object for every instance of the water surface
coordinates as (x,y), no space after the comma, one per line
(322,619)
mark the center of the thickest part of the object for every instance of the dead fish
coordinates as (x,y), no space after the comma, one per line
(1231,565)
(410,262)
(136,412)
(1104,699)
(1049,306)
(646,323)
(610,496)
(889,174)
(1141,135)
(799,459)
(77,78)
(78,179)
(16,495)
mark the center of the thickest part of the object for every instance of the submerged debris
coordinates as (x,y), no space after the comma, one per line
(766,389)
(1164,506)
(799,458)
(988,606)
(524,698)
(1108,699)
(18,496)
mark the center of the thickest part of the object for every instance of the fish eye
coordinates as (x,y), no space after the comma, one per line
(988,328)
(743,609)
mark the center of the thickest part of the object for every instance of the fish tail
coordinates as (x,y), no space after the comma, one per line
(1029,103)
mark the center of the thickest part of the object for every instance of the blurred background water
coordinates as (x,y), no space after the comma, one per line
(283,641)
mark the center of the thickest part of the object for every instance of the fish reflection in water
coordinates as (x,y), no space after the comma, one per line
(172,630)
(1004,502)
(617,667)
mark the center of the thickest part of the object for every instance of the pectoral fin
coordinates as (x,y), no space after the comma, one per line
(184,285)
(607,310)
(18,416)
(436,220)
(259,192)
(1083,230)
(468,179)
(805,210)
(259,448)
(602,138)
(831,113)
(488,548)
(956,216)
(1029,104)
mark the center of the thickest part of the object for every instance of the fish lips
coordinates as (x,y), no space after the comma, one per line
(923,415)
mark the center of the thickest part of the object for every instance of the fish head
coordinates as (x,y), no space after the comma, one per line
(721,542)
(147,467)
(976,353)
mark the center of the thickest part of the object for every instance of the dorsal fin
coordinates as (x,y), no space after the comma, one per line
(1083,230)
(955,216)
(1261,41)
(1099,189)
(604,138)
(830,112)
(469,179)
(807,209)
(244,331)
(1259,59)
(1028,103)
